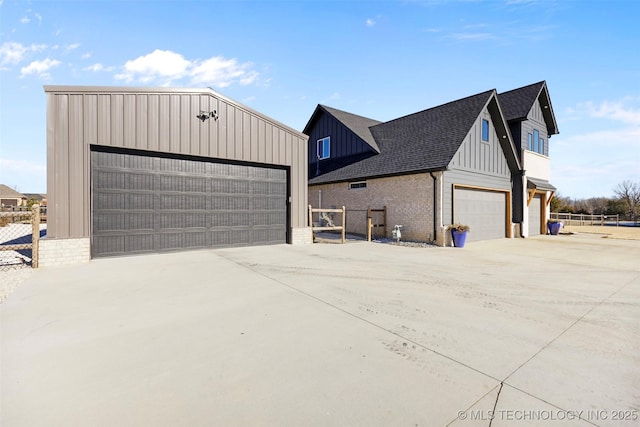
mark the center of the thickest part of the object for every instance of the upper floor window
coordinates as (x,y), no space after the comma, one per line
(529,142)
(485,130)
(541,147)
(536,141)
(324,148)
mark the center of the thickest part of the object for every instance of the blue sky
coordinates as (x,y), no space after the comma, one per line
(380,59)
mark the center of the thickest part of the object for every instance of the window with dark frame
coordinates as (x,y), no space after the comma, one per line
(357,185)
(324,148)
(485,130)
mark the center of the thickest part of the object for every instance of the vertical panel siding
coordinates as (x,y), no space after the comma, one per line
(61,165)
(164,122)
(104,124)
(343,141)
(76,165)
(164,136)
(129,121)
(195,125)
(174,123)
(141,121)
(117,120)
(477,155)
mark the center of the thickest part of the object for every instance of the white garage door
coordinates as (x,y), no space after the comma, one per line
(145,204)
(484,211)
(534,215)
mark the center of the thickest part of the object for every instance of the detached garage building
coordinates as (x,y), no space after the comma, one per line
(146,170)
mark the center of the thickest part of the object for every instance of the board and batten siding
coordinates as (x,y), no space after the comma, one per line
(535,120)
(343,141)
(158,120)
(476,164)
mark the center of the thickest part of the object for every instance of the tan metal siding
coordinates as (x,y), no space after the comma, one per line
(156,121)
(76,166)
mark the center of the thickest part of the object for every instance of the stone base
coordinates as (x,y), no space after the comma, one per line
(64,251)
(301,236)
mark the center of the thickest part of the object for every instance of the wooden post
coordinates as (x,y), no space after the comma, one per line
(384,222)
(344,223)
(368,229)
(35,234)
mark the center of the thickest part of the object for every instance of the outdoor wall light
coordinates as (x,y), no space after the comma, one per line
(204,115)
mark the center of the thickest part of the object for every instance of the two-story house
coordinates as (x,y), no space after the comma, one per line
(481,160)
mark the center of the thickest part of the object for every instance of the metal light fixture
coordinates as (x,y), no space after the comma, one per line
(204,115)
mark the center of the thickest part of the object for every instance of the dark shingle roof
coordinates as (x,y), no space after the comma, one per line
(517,103)
(358,124)
(422,141)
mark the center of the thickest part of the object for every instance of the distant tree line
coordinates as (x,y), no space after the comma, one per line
(626,203)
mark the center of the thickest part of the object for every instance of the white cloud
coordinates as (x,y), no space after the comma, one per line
(96,68)
(12,53)
(164,67)
(613,110)
(39,18)
(41,68)
(86,55)
(25,20)
(71,46)
(370,22)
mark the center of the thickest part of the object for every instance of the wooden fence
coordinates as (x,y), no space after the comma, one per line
(584,219)
(328,221)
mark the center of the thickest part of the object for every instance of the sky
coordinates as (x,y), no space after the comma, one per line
(379,59)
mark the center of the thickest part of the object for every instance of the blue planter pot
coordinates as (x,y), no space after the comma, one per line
(554,227)
(459,238)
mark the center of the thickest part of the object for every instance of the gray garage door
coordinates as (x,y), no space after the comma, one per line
(534,215)
(484,211)
(143,204)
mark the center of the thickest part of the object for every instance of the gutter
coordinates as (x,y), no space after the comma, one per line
(435,206)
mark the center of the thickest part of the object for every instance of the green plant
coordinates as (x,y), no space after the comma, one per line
(459,227)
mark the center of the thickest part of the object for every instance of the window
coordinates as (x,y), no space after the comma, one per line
(541,146)
(529,142)
(324,148)
(356,185)
(485,130)
(536,140)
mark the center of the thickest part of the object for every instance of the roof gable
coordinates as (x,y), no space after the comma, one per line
(359,125)
(9,193)
(517,103)
(424,141)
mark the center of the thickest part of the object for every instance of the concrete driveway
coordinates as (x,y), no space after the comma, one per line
(542,331)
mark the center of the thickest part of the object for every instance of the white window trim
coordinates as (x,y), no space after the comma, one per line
(321,140)
(486,141)
(357,185)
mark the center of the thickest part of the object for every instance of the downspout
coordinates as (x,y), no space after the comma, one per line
(435,206)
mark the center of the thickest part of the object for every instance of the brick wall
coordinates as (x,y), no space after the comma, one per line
(408,198)
(64,251)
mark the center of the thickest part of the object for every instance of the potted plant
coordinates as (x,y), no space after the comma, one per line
(553,226)
(459,234)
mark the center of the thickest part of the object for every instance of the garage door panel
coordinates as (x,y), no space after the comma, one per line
(483,210)
(160,204)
